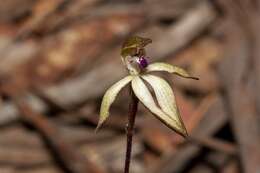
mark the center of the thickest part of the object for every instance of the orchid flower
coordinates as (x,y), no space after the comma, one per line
(163,106)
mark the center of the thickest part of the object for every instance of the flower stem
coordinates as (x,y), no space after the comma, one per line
(130,128)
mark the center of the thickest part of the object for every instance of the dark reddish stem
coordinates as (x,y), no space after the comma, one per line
(130,129)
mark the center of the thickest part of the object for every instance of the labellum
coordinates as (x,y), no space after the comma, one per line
(142,61)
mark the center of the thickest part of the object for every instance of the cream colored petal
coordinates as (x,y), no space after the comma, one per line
(160,66)
(143,94)
(165,99)
(109,98)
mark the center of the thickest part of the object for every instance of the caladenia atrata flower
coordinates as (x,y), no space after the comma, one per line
(163,106)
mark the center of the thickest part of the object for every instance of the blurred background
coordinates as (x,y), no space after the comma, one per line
(58,57)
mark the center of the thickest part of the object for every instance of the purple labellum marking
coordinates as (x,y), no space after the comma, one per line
(142,61)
